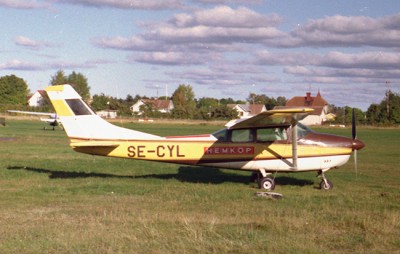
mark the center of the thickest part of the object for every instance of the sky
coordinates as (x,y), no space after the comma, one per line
(347,50)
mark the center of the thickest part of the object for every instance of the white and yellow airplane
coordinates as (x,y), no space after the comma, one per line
(267,143)
(52,119)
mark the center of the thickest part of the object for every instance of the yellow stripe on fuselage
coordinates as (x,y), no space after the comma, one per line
(200,151)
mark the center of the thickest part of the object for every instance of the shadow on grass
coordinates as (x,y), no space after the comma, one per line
(54,174)
(184,174)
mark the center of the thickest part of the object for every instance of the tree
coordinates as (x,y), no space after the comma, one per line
(13,90)
(59,78)
(269,102)
(100,102)
(387,112)
(184,104)
(79,82)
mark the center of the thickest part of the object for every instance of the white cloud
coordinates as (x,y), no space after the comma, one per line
(21,65)
(16,64)
(344,31)
(24,4)
(335,59)
(225,16)
(128,4)
(30,43)
(207,30)
(169,58)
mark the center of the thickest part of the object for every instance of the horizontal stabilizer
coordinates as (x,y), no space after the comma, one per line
(94,144)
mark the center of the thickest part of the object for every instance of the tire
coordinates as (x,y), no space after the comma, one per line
(267,183)
(326,186)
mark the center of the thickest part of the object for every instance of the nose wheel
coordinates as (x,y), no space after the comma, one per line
(266,183)
(325,184)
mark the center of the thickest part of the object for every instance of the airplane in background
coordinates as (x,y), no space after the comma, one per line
(270,142)
(52,119)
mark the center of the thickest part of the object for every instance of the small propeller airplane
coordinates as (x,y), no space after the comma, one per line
(270,142)
(52,119)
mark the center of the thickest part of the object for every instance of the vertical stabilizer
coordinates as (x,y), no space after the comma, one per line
(81,123)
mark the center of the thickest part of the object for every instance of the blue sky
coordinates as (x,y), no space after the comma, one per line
(347,49)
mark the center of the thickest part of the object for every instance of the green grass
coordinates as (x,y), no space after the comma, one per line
(54,200)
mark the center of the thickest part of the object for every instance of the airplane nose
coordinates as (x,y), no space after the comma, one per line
(357,144)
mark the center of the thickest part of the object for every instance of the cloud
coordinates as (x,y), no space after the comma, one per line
(170,58)
(30,43)
(24,4)
(230,1)
(128,4)
(225,16)
(215,29)
(20,65)
(344,31)
(335,59)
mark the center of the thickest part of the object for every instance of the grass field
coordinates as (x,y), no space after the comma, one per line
(54,200)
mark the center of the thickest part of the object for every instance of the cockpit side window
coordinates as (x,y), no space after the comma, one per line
(242,135)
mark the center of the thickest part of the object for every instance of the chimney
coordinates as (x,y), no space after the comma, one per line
(308,96)
(309,99)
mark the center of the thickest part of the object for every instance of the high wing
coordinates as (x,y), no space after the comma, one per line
(276,117)
(270,118)
(51,115)
(53,119)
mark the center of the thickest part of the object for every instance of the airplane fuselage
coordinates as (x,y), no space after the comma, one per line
(319,152)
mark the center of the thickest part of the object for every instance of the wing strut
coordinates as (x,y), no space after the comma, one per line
(294,144)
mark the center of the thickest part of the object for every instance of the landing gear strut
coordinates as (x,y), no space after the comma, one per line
(325,184)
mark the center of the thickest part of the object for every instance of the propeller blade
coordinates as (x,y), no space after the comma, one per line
(353,125)
(355,162)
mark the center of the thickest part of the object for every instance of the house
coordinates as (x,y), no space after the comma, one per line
(318,103)
(162,106)
(36,99)
(245,110)
(109,114)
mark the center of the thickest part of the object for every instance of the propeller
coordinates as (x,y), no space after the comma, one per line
(354,136)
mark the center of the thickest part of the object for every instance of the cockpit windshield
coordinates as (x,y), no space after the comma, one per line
(303,130)
(221,135)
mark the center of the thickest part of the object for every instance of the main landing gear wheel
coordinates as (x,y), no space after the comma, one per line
(326,185)
(266,183)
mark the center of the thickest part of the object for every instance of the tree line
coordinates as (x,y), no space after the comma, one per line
(14,92)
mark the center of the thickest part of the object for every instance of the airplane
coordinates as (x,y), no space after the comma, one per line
(52,119)
(268,143)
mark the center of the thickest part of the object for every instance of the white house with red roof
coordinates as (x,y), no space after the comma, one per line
(36,99)
(245,110)
(162,106)
(318,103)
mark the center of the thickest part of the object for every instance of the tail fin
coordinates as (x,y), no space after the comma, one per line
(81,123)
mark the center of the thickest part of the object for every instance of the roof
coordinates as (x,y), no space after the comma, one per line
(158,104)
(41,92)
(307,101)
(253,109)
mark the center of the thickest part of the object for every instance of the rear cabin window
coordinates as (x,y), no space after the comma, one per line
(78,107)
(271,134)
